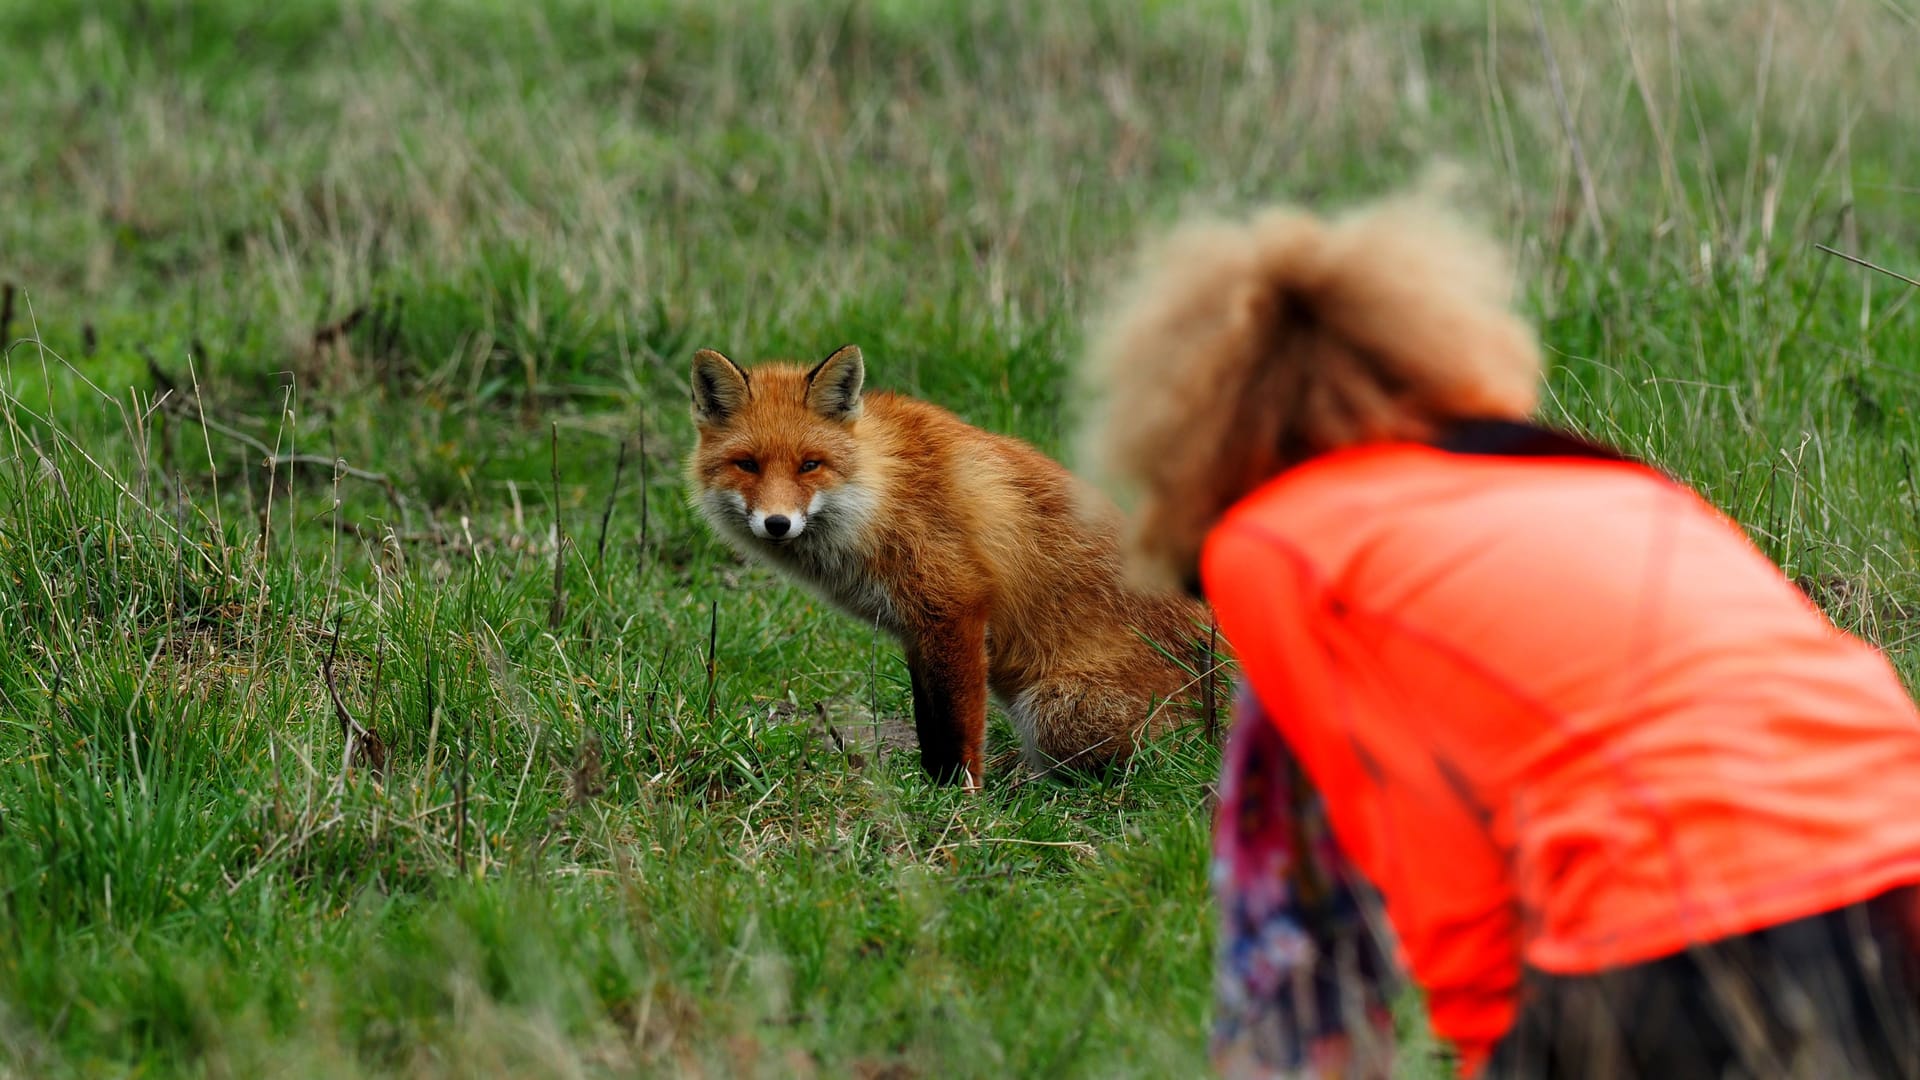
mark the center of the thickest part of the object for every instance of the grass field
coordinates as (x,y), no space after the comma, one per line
(467,249)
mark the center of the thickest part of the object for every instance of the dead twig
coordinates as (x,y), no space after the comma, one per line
(1209,686)
(1078,847)
(336,464)
(339,328)
(643,485)
(1858,261)
(173,401)
(460,795)
(606,515)
(585,779)
(713,655)
(365,747)
(558,612)
(1588,195)
(587,776)
(854,757)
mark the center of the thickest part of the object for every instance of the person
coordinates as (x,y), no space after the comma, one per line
(1524,723)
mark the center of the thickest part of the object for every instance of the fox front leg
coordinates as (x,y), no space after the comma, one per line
(948,666)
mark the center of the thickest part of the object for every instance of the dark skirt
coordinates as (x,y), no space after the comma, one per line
(1833,995)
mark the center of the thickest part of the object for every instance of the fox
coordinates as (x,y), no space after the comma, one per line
(996,569)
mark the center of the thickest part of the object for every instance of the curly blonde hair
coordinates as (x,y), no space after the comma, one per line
(1239,349)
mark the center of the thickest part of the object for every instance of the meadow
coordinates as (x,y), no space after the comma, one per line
(372,704)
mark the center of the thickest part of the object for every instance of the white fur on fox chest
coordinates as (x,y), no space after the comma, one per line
(830,558)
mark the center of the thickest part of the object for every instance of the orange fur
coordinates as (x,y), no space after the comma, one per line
(1238,349)
(985,558)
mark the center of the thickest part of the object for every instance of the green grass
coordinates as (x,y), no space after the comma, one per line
(601,846)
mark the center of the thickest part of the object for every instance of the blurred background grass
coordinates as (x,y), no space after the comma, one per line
(467,247)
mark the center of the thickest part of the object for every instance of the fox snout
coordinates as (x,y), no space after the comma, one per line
(777,527)
(770,520)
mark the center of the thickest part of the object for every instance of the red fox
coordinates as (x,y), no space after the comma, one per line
(995,568)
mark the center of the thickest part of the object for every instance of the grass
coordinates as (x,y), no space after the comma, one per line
(467,249)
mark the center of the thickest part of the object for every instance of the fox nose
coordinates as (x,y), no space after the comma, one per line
(777,525)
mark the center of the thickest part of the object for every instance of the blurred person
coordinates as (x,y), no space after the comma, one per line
(1520,717)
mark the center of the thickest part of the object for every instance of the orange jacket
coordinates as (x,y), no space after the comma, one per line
(1562,713)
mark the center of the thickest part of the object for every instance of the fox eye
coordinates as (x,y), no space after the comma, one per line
(810,464)
(747,465)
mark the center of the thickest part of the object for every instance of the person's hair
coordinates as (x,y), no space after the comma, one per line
(1239,349)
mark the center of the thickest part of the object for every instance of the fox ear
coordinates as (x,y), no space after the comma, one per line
(719,387)
(833,386)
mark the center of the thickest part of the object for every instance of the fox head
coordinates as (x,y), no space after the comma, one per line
(777,463)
